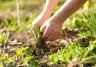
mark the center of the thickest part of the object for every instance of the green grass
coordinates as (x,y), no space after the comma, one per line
(84,23)
(23,56)
(84,50)
(4,38)
(24,4)
(75,53)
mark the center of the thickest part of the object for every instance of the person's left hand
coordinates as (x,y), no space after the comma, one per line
(51,30)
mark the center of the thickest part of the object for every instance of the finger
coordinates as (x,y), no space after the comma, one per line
(35,25)
(42,29)
(56,37)
(46,33)
(53,37)
(50,38)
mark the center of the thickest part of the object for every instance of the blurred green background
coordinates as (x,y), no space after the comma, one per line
(27,7)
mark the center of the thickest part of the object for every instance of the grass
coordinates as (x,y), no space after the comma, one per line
(4,5)
(75,54)
(4,38)
(84,50)
(23,57)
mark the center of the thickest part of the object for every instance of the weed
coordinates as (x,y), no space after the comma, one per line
(4,38)
(75,54)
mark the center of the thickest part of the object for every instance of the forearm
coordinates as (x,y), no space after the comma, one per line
(68,9)
(48,9)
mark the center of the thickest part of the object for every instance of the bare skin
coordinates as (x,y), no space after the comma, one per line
(45,14)
(51,27)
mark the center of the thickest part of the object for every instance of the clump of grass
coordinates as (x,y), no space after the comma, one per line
(84,23)
(4,38)
(41,47)
(22,57)
(75,54)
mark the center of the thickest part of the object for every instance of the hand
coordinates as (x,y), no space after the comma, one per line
(51,30)
(38,22)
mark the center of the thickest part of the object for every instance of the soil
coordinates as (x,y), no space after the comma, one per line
(25,38)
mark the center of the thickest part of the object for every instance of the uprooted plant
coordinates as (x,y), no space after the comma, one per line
(41,47)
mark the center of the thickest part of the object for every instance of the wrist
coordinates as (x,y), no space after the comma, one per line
(58,19)
(55,21)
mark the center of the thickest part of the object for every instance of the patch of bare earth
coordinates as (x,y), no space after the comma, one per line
(25,38)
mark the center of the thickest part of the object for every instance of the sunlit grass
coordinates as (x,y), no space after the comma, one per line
(24,4)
